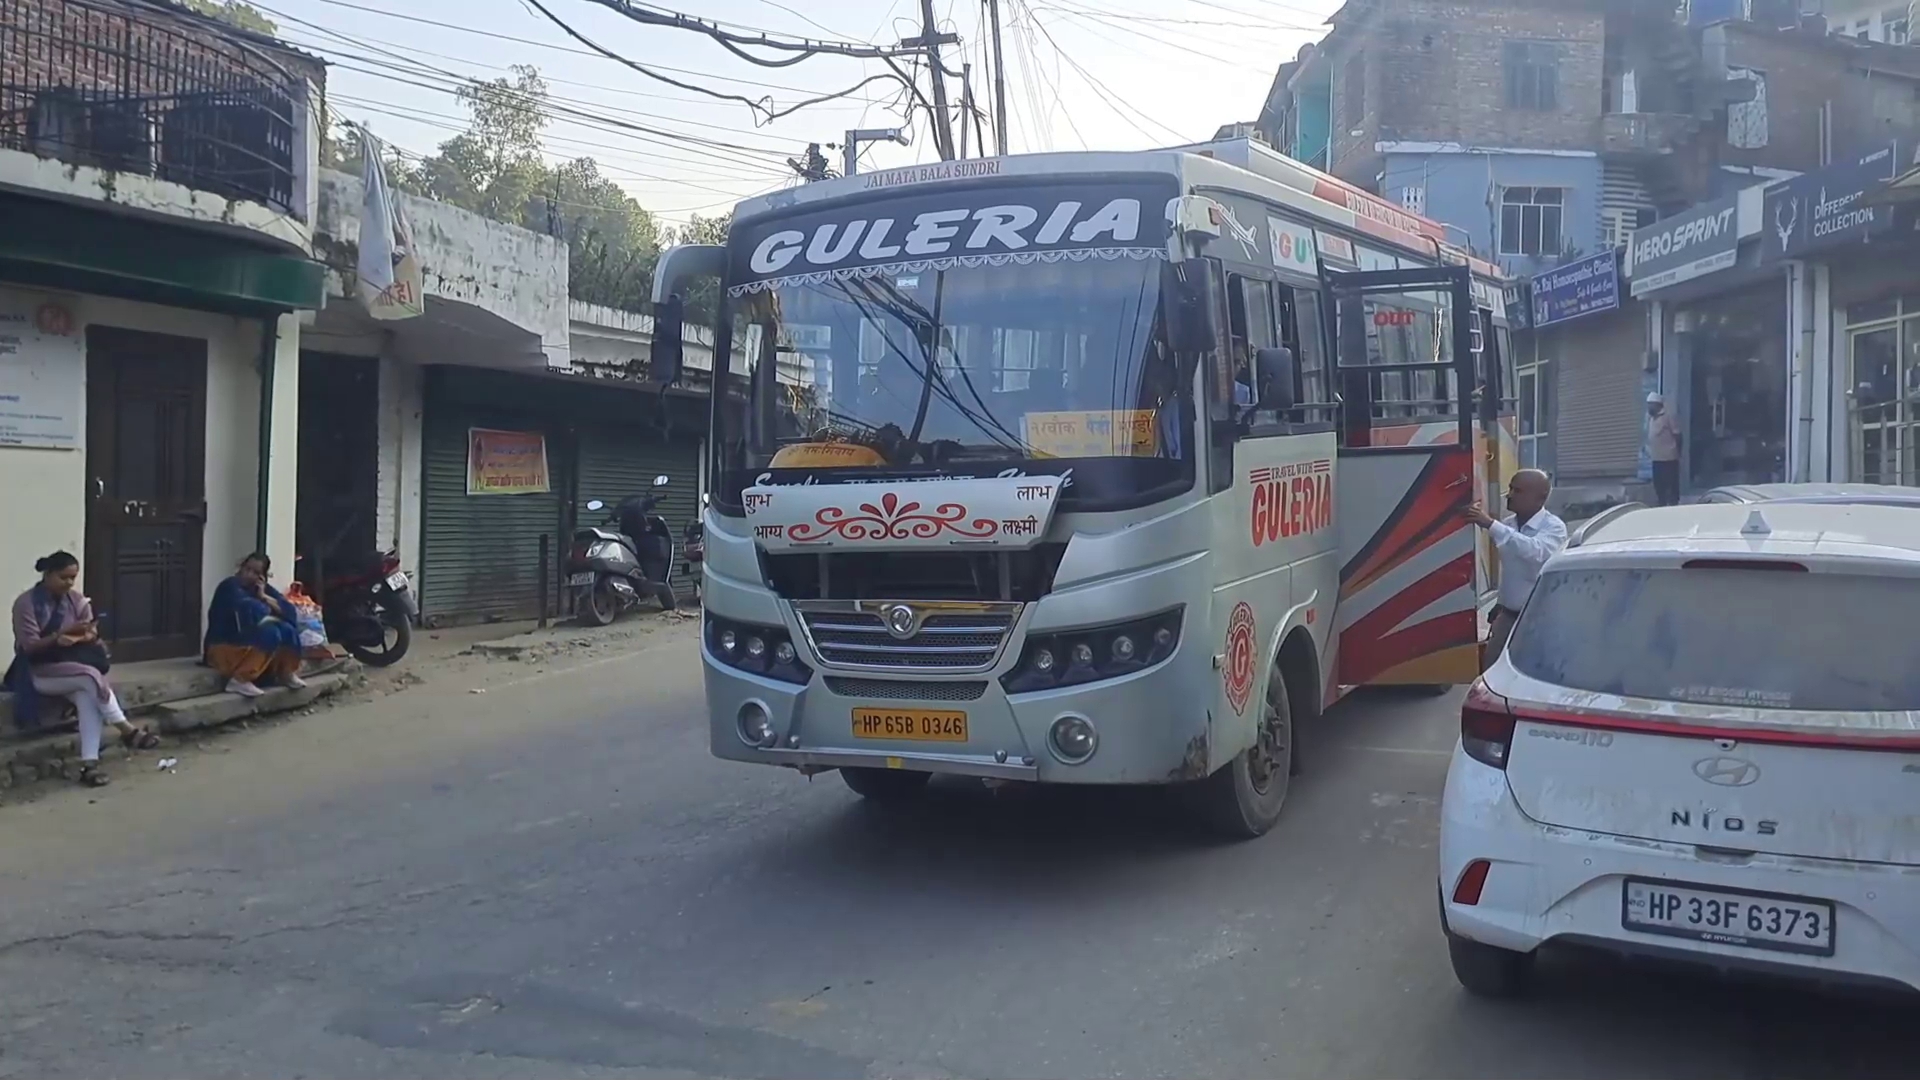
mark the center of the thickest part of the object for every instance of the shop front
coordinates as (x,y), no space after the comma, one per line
(1719,313)
(508,459)
(1872,283)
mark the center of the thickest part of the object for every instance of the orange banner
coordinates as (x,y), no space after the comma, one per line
(506,462)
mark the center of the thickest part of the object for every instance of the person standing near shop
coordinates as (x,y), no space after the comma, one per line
(1663,447)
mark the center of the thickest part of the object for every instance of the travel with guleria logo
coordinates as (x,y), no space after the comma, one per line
(1102,468)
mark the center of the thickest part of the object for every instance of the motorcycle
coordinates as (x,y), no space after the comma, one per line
(694,543)
(610,571)
(368,607)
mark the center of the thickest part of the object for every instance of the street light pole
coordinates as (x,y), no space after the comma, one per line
(850,148)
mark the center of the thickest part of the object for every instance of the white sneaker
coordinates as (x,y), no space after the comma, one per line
(295,682)
(244,689)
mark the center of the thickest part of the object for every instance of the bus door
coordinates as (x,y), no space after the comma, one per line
(1410,578)
(1493,402)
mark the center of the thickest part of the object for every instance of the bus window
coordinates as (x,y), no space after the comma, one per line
(1309,349)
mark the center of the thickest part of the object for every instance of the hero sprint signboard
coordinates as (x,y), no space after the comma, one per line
(1699,242)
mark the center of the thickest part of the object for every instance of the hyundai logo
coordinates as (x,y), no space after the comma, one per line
(900,620)
(1726,771)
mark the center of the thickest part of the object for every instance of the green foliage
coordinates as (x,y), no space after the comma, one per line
(243,15)
(495,168)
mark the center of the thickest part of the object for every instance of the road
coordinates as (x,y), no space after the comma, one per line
(553,878)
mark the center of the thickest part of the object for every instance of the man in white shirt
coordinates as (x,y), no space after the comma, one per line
(1525,540)
(1663,449)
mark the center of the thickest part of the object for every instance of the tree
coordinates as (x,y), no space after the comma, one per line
(703,299)
(237,13)
(495,168)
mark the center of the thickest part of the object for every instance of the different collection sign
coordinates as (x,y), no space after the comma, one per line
(1824,209)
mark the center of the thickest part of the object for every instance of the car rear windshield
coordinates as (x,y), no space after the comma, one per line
(1767,639)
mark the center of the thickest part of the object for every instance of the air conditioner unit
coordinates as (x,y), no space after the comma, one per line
(1616,228)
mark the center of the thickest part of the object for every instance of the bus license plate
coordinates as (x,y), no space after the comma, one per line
(1728,917)
(913,725)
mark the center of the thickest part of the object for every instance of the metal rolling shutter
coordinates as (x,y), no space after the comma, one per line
(616,462)
(480,555)
(1599,400)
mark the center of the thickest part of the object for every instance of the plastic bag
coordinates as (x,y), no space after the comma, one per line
(309,622)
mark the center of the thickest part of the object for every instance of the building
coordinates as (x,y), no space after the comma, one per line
(158,187)
(1546,134)
(400,417)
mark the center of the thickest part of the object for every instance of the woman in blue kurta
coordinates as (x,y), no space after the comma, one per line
(251,632)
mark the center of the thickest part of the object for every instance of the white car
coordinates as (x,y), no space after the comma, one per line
(1703,743)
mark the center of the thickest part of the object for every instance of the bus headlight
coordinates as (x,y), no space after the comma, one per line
(758,650)
(1073,657)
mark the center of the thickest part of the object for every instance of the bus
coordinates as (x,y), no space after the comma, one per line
(1095,468)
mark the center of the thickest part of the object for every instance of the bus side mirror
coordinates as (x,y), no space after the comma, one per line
(1191,325)
(665,360)
(1275,369)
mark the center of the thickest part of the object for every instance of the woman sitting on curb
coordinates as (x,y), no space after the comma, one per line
(251,632)
(58,654)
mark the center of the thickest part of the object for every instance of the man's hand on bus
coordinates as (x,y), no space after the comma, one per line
(1477,514)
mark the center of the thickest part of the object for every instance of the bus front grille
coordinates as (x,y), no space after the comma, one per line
(923,636)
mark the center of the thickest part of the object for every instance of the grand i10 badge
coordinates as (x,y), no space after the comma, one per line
(1239,667)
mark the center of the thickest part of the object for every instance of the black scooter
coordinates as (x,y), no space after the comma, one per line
(610,571)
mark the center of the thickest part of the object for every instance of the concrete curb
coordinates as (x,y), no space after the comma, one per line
(55,756)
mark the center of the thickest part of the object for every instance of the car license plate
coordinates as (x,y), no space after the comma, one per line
(1728,916)
(581,579)
(397,581)
(914,725)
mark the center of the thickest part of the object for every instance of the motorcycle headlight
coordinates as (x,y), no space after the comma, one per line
(755,649)
(1073,657)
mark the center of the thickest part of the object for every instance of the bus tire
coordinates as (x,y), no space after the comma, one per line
(1244,798)
(885,785)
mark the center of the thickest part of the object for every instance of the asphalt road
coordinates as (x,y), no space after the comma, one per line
(553,878)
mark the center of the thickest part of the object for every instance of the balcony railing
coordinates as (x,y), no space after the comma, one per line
(1645,133)
(133,89)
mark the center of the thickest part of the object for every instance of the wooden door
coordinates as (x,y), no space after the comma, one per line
(146,489)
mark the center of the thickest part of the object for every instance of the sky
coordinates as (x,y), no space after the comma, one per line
(1081,74)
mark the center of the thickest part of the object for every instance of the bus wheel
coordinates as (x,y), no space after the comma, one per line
(885,785)
(1243,799)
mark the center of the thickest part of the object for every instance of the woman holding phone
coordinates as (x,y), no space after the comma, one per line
(58,654)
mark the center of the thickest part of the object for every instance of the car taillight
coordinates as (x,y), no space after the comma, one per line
(1486,726)
(1744,564)
(1473,882)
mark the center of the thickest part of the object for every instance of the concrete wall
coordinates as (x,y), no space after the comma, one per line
(515,274)
(1463,190)
(601,336)
(47,487)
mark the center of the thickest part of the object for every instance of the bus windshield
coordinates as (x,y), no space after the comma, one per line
(970,364)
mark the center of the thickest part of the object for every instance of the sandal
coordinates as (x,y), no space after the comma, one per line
(140,739)
(91,776)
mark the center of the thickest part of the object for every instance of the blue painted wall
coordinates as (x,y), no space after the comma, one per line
(1463,190)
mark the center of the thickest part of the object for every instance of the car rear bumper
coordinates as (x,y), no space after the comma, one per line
(1554,885)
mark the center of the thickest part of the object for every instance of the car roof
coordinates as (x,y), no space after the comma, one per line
(1823,492)
(1800,530)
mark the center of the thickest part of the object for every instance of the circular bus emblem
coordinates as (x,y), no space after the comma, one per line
(1239,664)
(900,620)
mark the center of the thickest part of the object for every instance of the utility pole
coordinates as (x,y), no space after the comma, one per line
(999,81)
(814,167)
(966,109)
(931,39)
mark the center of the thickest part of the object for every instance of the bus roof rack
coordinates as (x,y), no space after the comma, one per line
(1601,520)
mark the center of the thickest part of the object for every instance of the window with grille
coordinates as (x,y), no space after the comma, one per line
(1533,76)
(1530,220)
(1414,198)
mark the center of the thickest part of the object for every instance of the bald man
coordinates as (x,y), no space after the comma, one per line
(1525,540)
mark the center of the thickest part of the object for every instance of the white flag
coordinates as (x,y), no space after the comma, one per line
(391,283)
